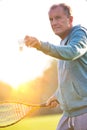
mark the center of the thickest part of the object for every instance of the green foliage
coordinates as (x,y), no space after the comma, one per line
(5,91)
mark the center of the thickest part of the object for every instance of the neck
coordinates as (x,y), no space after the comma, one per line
(66,33)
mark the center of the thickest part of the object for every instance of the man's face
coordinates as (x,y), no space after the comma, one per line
(60,22)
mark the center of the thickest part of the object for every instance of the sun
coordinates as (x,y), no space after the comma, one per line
(24,66)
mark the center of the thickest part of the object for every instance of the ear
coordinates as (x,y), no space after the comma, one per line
(71,19)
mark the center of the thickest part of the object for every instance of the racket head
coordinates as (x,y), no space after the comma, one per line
(11,113)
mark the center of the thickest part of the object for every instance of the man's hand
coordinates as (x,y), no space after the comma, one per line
(52,102)
(32,42)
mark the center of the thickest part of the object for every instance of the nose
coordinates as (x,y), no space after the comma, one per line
(54,22)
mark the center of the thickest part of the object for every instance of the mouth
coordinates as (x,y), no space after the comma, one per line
(56,28)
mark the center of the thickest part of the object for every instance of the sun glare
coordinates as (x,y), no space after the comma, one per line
(18,19)
(24,66)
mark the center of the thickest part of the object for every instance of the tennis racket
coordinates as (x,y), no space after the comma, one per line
(11,113)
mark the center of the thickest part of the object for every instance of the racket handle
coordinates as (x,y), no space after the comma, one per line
(43,105)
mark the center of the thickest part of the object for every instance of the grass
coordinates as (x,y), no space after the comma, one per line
(36,123)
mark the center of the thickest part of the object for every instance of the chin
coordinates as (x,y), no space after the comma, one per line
(58,34)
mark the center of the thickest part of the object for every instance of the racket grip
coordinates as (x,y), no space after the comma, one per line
(43,105)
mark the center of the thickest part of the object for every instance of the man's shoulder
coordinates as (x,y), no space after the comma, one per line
(79,27)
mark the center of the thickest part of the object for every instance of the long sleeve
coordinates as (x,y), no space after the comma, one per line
(75,48)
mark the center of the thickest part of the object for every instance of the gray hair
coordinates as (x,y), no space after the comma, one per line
(67,9)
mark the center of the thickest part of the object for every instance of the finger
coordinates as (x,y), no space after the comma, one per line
(52,103)
(33,44)
(26,37)
(28,41)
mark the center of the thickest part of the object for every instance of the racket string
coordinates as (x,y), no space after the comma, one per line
(10,113)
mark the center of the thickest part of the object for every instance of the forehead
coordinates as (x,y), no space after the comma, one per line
(56,11)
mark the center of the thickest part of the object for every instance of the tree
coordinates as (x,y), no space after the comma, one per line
(5,91)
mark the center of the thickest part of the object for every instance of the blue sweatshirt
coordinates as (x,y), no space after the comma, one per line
(72,71)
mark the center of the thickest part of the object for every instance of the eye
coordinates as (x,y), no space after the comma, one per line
(51,19)
(57,17)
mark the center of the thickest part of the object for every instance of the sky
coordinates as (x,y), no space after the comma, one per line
(29,17)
